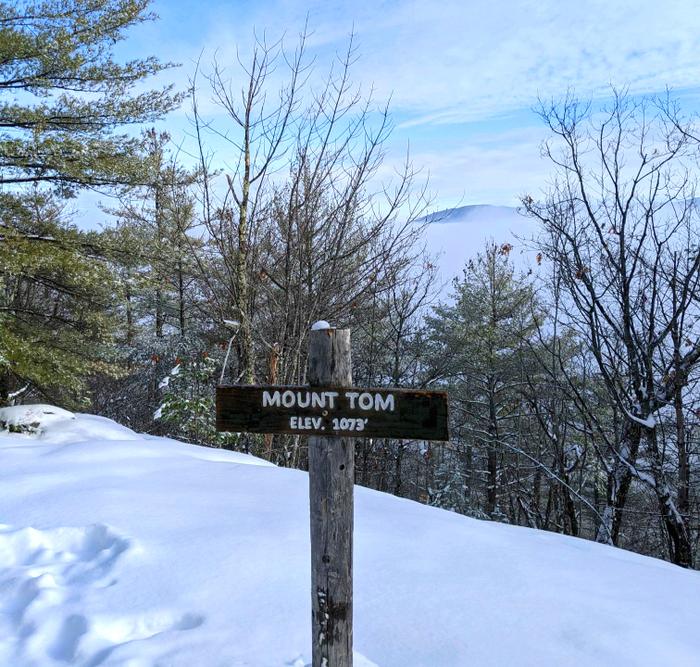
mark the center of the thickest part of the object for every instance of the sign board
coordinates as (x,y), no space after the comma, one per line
(336,411)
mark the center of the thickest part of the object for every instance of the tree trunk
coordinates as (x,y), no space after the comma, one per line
(398,459)
(680,549)
(492,462)
(159,241)
(4,387)
(181,299)
(619,480)
(129,318)
(245,335)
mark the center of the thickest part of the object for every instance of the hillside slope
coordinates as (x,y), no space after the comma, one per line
(123,549)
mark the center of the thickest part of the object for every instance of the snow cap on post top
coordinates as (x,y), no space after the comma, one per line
(320,325)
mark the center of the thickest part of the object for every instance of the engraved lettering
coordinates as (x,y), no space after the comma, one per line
(318,400)
(288,399)
(381,403)
(366,401)
(271,400)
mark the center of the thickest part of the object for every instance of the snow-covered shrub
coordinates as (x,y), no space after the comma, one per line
(188,409)
(31,419)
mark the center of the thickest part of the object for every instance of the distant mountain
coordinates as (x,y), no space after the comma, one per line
(473,212)
(458,234)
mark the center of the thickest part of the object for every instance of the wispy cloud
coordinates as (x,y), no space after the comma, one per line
(495,167)
(455,69)
(457,61)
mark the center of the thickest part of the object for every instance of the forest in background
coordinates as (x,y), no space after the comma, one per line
(573,386)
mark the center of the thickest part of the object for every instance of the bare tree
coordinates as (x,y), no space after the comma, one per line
(258,133)
(305,228)
(620,225)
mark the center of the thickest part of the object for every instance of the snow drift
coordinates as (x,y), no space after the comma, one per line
(124,549)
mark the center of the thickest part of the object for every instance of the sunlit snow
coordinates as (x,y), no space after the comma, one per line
(123,549)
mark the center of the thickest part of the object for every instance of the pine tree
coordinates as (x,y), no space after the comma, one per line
(157,266)
(188,406)
(63,96)
(63,100)
(54,299)
(159,217)
(476,345)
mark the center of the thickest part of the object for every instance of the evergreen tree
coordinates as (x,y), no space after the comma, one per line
(54,299)
(63,100)
(157,221)
(477,346)
(188,406)
(157,265)
(63,96)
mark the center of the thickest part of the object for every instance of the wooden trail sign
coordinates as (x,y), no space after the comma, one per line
(331,410)
(334,414)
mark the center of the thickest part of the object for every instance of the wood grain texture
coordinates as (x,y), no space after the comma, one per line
(418,415)
(331,478)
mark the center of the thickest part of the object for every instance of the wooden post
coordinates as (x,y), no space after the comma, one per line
(331,479)
(332,414)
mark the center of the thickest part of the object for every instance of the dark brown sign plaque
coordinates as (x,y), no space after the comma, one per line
(336,411)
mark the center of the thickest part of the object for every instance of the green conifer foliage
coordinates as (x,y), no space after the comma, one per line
(54,297)
(65,103)
(63,96)
(188,406)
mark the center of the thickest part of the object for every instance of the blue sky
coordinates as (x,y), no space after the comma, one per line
(462,76)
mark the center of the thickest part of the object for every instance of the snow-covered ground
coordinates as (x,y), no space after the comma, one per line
(123,549)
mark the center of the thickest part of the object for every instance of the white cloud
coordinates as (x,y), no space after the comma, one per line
(447,64)
(453,60)
(487,167)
